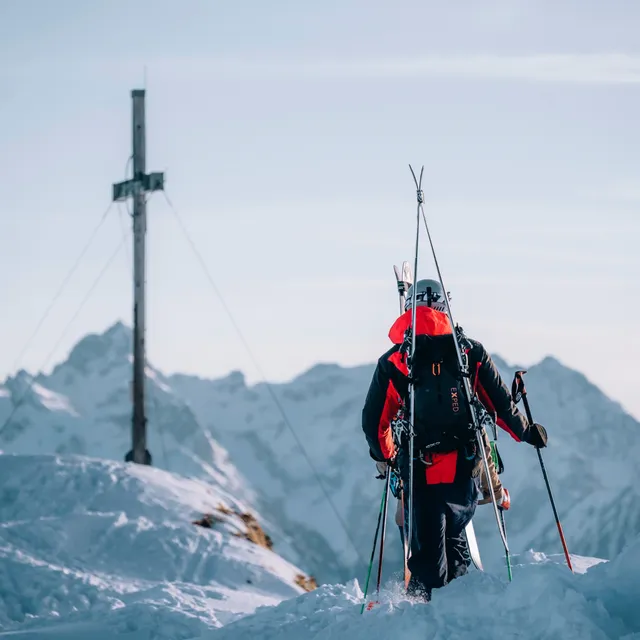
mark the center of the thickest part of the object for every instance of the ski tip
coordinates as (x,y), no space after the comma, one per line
(407,274)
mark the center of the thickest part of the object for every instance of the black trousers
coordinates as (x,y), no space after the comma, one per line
(439,551)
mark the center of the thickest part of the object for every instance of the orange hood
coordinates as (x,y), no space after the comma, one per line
(428,322)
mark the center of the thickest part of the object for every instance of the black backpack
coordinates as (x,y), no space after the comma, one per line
(442,421)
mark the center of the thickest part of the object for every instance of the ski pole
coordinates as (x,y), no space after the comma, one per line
(485,462)
(405,544)
(506,552)
(412,394)
(496,462)
(375,542)
(518,391)
(385,511)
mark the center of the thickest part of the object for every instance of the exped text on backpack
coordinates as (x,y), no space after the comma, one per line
(442,422)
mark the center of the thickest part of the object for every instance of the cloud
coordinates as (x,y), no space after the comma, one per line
(600,68)
(560,68)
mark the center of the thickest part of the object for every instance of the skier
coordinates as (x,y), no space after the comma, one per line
(447,464)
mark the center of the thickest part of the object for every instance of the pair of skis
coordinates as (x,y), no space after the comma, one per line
(404,280)
(475,409)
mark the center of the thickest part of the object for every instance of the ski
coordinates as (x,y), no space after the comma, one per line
(478,415)
(472,543)
(404,279)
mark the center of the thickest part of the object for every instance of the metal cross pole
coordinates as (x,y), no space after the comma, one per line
(136,188)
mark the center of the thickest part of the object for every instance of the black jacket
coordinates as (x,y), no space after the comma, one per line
(389,385)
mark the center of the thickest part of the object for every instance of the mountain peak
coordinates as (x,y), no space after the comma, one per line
(551,363)
(551,366)
(113,344)
(321,370)
(118,330)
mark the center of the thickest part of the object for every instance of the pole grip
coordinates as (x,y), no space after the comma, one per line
(527,408)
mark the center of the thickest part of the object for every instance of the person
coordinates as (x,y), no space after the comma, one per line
(447,464)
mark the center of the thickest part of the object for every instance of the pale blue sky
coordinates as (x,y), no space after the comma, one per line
(285,130)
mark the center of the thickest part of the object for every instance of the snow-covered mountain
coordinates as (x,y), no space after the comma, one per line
(236,434)
(591,460)
(93,549)
(100,549)
(84,407)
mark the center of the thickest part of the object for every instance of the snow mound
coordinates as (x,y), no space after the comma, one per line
(544,601)
(580,563)
(93,546)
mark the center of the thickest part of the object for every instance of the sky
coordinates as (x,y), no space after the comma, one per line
(285,131)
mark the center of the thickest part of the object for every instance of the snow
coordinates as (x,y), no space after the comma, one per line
(544,601)
(90,547)
(580,564)
(97,549)
(52,401)
(233,435)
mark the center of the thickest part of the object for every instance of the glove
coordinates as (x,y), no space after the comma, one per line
(382,468)
(537,436)
(505,503)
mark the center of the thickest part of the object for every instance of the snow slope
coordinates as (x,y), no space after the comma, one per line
(323,408)
(544,602)
(84,407)
(234,434)
(93,548)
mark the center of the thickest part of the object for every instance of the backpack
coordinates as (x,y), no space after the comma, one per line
(442,422)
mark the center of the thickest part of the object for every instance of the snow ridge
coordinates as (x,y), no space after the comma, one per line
(94,546)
